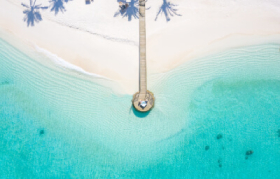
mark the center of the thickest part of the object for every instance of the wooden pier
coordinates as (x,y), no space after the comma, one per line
(143,100)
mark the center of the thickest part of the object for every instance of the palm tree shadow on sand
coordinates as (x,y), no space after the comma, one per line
(58,5)
(32,13)
(132,11)
(168,9)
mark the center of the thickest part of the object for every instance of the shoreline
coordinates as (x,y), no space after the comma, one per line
(189,37)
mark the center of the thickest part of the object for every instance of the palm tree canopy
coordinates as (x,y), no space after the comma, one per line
(32,13)
(168,9)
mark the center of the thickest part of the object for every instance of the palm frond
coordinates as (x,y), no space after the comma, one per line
(37,16)
(32,13)
(130,12)
(26,11)
(57,6)
(168,9)
(24,5)
(44,7)
(37,6)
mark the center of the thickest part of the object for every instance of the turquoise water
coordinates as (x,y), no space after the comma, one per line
(56,125)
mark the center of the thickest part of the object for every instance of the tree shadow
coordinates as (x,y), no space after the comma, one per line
(32,13)
(132,11)
(168,9)
(58,6)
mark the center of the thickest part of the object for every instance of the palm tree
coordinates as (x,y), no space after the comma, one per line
(130,12)
(58,5)
(32,13)
(168,9)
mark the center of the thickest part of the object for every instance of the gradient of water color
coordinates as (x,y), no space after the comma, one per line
(57,125)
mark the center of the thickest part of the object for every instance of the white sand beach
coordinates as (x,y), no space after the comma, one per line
(99,40)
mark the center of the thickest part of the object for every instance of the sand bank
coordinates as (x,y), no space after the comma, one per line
(100,40)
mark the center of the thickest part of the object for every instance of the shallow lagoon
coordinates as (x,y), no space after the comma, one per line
(57,125)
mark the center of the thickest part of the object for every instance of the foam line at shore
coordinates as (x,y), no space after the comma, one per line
(64,64)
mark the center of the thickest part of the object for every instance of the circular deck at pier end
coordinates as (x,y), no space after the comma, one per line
(143,102)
